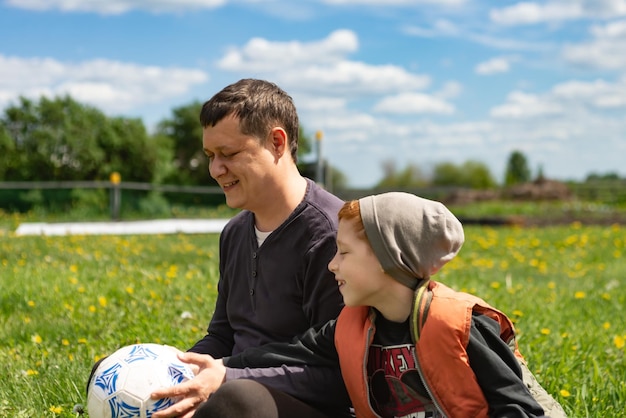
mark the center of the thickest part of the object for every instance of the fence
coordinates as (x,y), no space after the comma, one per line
(610,192)
(115,186)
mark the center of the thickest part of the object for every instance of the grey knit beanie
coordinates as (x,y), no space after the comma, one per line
(412,237)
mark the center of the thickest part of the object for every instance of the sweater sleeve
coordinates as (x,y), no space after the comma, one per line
(498,372)
(315,347)
(306,368)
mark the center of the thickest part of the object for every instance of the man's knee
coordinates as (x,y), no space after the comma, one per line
(239,398)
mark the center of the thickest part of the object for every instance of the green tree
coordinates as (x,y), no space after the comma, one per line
(517,170)
(410,176)
(477,175)
(7,150)
(61,139)
(447,174)
(184,132)
(337,178)
(304,143)
(471,174)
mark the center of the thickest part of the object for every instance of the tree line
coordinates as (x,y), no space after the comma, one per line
(61,139)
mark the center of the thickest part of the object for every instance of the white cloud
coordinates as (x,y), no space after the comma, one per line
(450,89)
(447,29)
(607,49)
(113,7)
(440,28)
(598,93)
(262,55)
(413,103)
(493,66)
(520,105)
(528,12)
(396,2)
(574,100)
(109,85)
(320,66)
(525,13)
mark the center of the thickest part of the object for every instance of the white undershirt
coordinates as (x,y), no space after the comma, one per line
(261,236)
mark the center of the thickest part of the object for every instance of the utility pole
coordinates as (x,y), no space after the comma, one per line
(319,168)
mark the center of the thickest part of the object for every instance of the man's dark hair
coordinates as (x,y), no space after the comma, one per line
(259,105)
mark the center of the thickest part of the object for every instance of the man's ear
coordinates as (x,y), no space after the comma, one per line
(278,141)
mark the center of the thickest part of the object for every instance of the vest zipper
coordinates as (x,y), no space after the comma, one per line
(430,393)
(418,316)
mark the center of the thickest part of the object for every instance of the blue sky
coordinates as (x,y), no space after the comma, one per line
(408,81)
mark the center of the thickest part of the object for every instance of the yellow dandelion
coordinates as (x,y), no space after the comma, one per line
(56,409)
(580,295)
(495,285)
(73,268)
(82,341)
(129,290)
(545,331)
(65,342)
(81,289)
(27,319)
(606,325)
(517,312)
(31,372)
(92,308)
(606,296)
(102,301)
(564,393)
(36,338)
(619,341)
(551,285)
(31,303)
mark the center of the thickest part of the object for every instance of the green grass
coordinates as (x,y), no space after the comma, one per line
(67,301)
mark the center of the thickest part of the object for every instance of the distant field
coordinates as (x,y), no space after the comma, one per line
(66,301)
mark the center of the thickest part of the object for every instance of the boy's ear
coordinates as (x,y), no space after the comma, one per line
(278,140)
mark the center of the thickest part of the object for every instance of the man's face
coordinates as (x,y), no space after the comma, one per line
(240,163)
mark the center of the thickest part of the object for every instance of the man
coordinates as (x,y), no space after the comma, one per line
(273,283)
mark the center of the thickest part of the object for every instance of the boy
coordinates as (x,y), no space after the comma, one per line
(407,346)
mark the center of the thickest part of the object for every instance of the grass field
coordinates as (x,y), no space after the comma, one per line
(67,301)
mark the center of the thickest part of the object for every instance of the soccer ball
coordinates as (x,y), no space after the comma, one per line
(122,382)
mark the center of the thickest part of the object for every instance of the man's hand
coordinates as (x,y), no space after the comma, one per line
(210,374)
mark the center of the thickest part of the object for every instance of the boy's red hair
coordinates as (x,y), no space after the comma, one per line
(351,211)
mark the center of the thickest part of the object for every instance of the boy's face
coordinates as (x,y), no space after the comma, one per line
(360,276)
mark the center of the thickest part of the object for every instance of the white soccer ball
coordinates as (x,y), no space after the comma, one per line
(122,383)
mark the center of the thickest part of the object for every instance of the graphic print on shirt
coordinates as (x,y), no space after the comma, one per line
(396,388)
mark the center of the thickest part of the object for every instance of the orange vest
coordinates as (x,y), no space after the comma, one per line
(440,327)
